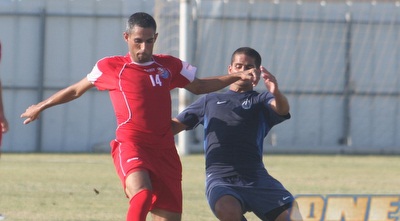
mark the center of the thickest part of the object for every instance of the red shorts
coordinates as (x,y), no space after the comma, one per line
(164,167)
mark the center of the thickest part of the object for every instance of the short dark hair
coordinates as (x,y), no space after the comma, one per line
(249,52)
(140,19)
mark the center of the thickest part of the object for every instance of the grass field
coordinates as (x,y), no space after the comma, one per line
(61,187)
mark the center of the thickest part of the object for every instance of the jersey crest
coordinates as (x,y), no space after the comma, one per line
(246,104)
(164,73)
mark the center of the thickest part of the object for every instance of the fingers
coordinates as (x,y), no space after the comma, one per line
(267,75)
(264,70)
(4,127)
(30,114)
(27,121)
(254,75)
(28,118)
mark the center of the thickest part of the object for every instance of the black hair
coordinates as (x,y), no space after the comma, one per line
(140,19)
(249,52)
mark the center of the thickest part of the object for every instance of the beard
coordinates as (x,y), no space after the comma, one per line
(143,57)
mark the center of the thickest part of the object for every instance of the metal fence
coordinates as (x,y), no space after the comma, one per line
(338,63)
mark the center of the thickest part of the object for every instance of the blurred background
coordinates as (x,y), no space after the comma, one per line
(337,61)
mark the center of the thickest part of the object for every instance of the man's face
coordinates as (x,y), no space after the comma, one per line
(140,43)
(242,62)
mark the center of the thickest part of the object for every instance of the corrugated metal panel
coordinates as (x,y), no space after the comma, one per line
(340,73)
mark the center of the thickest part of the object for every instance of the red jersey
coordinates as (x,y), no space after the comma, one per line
(140,94)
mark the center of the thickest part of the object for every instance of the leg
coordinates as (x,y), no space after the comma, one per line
(167,186)
(290,214)
(228,208)
(139,191)
(163,215)
(136,182)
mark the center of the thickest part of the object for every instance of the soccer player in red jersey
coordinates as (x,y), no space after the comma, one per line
(139,84)
(3,120)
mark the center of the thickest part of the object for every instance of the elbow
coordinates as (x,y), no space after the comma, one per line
(78,94)
(283,111)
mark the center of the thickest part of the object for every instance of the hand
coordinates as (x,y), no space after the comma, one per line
(269,80)
(3,124)
(31,114)
(251,74)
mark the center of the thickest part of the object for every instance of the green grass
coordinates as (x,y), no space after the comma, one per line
(52,187)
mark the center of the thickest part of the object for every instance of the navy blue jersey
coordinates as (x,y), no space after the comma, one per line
(235,125)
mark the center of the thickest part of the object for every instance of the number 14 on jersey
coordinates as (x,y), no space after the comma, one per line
(155,80)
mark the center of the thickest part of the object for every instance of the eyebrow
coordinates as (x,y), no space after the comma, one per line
(141,39)
(247,65)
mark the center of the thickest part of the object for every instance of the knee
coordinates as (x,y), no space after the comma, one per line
(228,214)
(228,209)
(136,182)
(131,192)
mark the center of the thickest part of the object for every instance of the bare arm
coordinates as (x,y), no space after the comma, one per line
(207,85)
(3,120)
(177,126)
(63,96)
(280,104)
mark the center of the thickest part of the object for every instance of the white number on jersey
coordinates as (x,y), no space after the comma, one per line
(155,80)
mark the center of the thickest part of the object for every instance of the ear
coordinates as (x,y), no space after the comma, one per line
(229,69)
(155,37)
(126,36)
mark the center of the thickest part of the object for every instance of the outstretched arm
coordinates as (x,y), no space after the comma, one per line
(207,85)
(63,96)
(280,104)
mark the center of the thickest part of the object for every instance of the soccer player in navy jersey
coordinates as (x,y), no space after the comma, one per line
(139,84)
(3,119)
(235,124)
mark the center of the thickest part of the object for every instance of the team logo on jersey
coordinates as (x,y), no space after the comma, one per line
(163,72)
(246,104)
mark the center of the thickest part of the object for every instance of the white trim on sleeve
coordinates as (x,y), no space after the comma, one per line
(94,74)
(188,71)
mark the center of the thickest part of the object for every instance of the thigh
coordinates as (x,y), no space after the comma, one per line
(222,195)
(262,200)
(168,193)
(167,181)
(128,158)
(137,181)
(228,208)
(288,212)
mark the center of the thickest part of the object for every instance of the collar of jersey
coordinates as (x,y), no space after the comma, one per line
(140,64)
(143,64)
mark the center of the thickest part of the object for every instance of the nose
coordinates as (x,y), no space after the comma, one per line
(144,45)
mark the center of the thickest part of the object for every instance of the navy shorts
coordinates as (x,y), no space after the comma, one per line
(260,197)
